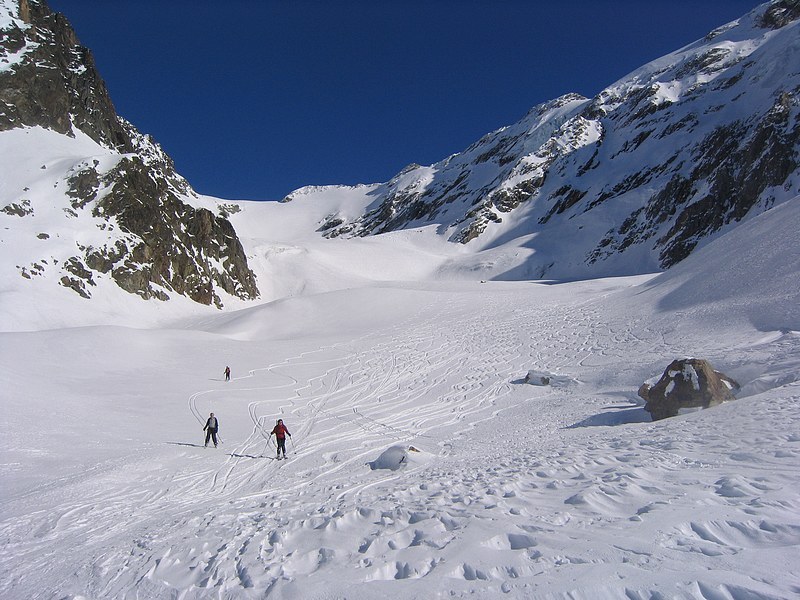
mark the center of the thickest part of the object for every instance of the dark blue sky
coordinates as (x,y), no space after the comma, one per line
(255,98)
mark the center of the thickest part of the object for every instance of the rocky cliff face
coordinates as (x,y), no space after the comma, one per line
(160,242)
(650,168)
(55,83)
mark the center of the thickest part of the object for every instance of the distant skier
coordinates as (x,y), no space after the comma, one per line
(281,432)
(211,429)
(227,373)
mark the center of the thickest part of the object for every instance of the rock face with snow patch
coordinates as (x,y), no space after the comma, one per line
(688,383)
(158,241)
(652,167)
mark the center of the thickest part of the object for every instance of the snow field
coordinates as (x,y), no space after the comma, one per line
(517,491)
(385,348)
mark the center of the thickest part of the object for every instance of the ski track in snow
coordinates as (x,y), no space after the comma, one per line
(235,523)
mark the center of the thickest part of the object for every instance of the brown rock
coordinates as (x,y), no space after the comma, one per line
(688,383)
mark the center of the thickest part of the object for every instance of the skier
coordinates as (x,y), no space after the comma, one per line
(211,428)
(227,373)
(281,432)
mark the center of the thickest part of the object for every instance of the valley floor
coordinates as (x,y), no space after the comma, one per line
(507,490)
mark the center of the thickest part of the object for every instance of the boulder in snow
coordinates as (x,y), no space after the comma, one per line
(535,377)
(392,458)
(689,383)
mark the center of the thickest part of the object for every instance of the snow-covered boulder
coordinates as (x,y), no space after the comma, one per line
(396,457)
(535,377)
(392,458)
(688,383)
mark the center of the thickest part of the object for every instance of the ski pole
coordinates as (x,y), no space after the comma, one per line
(291,439)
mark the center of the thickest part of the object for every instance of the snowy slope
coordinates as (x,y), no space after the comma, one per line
(515,491)
(628,182)
(48,233)
(115,210)
(291,257)
(632,180)
(381,348)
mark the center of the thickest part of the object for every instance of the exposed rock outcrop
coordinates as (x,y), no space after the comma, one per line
(159,241)
(688,383)
(652,167)
(56,84)
(197,239)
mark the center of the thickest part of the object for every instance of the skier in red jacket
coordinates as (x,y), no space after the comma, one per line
(281,432)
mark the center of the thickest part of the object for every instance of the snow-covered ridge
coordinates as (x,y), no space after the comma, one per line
(656,165)
(12,27)
(127,218)
(628,182)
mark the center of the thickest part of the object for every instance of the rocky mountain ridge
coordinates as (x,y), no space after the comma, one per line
(632,180)
(655,165)
(159,239)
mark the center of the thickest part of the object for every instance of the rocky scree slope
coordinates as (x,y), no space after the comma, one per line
(651,168)
(158,240)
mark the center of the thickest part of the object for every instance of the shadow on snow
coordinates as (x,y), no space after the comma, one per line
(615,415)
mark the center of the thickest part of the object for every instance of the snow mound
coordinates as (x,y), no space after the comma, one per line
(395,457)
(536,377)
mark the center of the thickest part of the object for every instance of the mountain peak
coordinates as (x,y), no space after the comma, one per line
(780,14)
(157,240)
(634,179)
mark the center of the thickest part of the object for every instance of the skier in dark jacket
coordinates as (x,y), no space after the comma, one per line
(211,428)
(227,373)
(281,432)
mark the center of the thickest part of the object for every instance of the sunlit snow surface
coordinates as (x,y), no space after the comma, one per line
(421,463)
(512,491)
